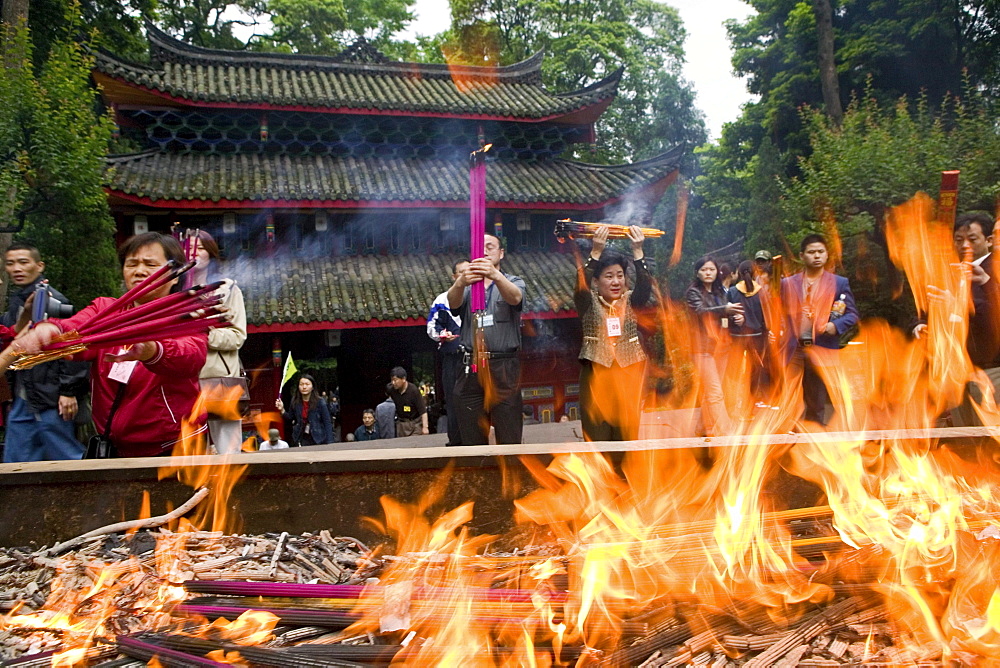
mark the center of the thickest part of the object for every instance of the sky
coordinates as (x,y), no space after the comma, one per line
(708,67)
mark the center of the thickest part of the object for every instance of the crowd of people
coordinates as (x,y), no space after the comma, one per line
(751,323)
(766,333)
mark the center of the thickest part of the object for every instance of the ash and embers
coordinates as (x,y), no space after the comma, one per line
(148,597)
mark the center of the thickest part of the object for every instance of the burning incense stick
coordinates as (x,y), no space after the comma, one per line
(477,291)
(574,229)
(477,219)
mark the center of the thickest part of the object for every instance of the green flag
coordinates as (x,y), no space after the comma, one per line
(289,370)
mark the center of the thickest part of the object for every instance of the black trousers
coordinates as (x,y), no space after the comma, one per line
(451,368)
(814,393)
(474,419)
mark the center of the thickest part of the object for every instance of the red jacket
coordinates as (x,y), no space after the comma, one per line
(158,398)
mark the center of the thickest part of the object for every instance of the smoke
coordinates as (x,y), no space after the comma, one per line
(632,209)
(249,252)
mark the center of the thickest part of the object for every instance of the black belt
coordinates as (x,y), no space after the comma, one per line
(502,356)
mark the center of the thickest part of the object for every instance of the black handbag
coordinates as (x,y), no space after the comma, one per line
(100,446)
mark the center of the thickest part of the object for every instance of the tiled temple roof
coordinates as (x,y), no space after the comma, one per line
(360,80)
(374,290)
(259,180)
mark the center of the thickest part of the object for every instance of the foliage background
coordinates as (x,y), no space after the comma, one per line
(53,146)
(918,81)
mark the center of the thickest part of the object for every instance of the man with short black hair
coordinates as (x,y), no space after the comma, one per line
(41,425)
(973,238)
(499,405)
(819,309)
(411,411)
(368,431)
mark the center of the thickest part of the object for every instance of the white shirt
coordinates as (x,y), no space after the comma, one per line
(439,304)
(267,445)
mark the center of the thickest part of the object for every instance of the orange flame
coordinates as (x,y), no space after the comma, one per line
(891,512)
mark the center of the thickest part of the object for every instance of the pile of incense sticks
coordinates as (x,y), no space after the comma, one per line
(574,229)
(119,324)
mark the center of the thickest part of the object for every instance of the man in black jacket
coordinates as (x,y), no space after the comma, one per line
(41,423)
(973,244)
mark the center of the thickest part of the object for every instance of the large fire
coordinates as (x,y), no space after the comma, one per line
(684,553)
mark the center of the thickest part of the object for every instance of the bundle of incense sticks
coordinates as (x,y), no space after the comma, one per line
(180,314)
(326,655)
(574,229)
(304,590)
(188,239)
(145,651)
(339,614)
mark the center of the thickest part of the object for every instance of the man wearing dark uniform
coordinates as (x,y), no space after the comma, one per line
(411,411)
(501,323)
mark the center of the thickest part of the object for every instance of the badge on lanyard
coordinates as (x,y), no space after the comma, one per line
(488,320)
(122,371)
(614,325)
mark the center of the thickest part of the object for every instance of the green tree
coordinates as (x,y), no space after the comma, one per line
(892,47)
(210,23)
(52,166)
(298,26)
(880,157)
(305,26)
(882,50)
(329,26)
(115,25)
(583,43)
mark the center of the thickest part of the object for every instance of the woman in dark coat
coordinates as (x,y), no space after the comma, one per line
(749,332)
(712,311)
(309,415)
(613,360)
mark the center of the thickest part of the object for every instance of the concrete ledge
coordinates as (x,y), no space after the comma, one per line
(326,486)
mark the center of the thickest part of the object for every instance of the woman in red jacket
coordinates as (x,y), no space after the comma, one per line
(142,396)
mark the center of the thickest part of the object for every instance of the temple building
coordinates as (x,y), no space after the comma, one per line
(338,190)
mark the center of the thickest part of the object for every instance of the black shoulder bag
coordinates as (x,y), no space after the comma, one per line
(100,446)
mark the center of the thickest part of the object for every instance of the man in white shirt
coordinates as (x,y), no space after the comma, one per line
(273,441)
